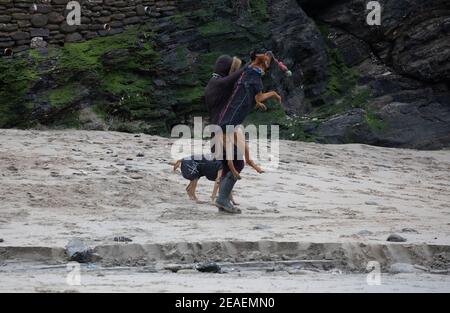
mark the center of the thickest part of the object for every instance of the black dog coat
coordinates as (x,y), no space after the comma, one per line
(242,99)
(194,167)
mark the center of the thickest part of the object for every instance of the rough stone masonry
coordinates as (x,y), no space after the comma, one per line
(34,23)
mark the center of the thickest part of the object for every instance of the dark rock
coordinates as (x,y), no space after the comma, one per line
(39,20)
(401,61)
(110,32)
(116,24)
(78,251)
(6,44)
(66,28)
(20,35)
(96,27)
(131,20)
(23,24)
(114,56)
(130,13)
(21,16)
(54,29)
(85,20)
(55,18)
(90,35)
(396,238)
(208,267)
(20,48)
(8,27)
(298,42)
(140,10)
(102,20)
(416,125)
(39,32)
(74,37)
(1,240)
(159,83)
(23,42)
(401,36)
(342,127)
(118,16)
(353,50)
(5,18)
(44,8)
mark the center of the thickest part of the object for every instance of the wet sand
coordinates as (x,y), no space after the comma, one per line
(138,280)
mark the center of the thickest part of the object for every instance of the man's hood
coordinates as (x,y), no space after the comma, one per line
(223,65)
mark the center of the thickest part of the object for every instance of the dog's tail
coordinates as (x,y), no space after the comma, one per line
(176,165)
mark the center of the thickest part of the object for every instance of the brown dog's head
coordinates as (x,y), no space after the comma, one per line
(262,60)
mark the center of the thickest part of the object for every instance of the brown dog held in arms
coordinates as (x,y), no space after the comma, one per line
(247,93)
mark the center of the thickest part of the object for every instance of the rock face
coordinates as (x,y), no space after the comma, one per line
(297,41)
(383,85)
(405,64)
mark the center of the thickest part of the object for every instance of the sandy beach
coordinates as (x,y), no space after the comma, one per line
(57,185)
(60,185)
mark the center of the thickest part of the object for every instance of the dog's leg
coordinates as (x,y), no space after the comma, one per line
(194,189)
(216,187)
(191,189)
(261,97)
(176,165)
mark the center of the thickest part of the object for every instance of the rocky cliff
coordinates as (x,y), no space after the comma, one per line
(383,85)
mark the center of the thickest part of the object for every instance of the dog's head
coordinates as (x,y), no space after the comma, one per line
(262,60)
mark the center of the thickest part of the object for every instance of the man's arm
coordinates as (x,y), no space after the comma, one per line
(231,79)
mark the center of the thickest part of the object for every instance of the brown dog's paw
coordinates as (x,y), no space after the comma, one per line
(262,106)
(278,97)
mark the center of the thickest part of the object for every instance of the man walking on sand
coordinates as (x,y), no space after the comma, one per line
(227,71)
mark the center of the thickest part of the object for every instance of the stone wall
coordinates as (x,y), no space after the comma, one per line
(25,23)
